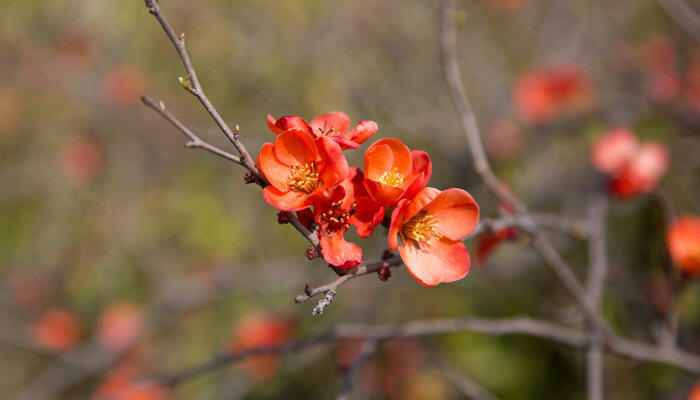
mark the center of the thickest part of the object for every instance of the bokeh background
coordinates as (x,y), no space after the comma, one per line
(108,224)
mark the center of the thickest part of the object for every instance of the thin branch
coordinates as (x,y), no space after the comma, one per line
(466,385)
(571,337)
(196,88)
(453,79)
(354,368)
(597,273)
(245,158)
(330,289)
(195,142)
(556,222)
(683,15)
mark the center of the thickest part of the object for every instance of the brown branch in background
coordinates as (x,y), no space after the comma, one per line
(354,368)
(453,79)
(195,142)
(567,225)
(683,15)
(597,272)
(466,385)
(330,289)
(565,335)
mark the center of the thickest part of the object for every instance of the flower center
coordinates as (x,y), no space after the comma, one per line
(421,229)
(392,178)
(304,178)
(335,218)
(327,131)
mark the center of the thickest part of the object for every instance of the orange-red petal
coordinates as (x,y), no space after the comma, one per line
(339,252)
(294,146)
(335,121)
(275,172)
(438,261)
(456,211)
(271,121)
(384,155)
(397,219)
(420,200)
(422,169)
(383,194)
(363,131)
(293,122)
(367,216)
(286,201)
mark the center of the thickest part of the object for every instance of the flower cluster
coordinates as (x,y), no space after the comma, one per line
(683,240)
(309,174)
(634,167)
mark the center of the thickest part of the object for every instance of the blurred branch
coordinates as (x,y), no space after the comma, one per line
(564,224)
(597,273)
(195,142)
(466,385)
(453,79)
(330,289)
(354,368)
(683,15)
(565,335)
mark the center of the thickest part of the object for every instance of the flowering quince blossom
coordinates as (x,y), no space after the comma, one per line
(128,382)
(333,125)
(393,172)
(634,168)
(431,227)
(258,329)
(57,330)
(542,95)
(683,241)
(300,169)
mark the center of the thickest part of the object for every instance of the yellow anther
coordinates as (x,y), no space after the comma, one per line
(304,178)
(421,229)
(392,178)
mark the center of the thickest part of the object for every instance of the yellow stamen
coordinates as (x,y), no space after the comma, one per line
(421,229)
(335,218)
(392,178)
(304,178)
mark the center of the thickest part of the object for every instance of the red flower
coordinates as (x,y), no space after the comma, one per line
(634,167)
(431,227)
(695,392)
(334,125)
(126,383)
(393,172)
(260,330)
(542,95)
(333,218)
(665,80)
(81,160)
(300,169)
(490,241)
(57,330)
(683,241)
(119,325)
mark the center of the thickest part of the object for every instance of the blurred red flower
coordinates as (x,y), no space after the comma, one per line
(9,110)
(634,168)
(56,330)
(30,289)
(126,382)
(393,172)
(258,329)
(334,125)
(504,141)
(692,85)
(542,95)
(683,241)
(431,227)
(695,392)
(119,325)
(123,85)
(80,160)
(665,80)
(301,169)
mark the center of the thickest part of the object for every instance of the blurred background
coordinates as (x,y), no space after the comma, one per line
(124,254)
